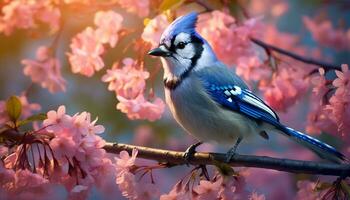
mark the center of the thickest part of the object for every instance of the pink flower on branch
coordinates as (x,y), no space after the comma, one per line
(219,27)
(25,14)
(324,33)
(108,23)
(140,108)
(141,8)
(131,186)
(86,53)
(125,162)
(154,29)
(339,103)
(318,117)
(45,70)
(286,87)
(127,81)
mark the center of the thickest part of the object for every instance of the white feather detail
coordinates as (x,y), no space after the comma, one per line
(236,91)
(258,104)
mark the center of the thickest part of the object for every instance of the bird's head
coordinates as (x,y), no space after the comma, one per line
(182,49)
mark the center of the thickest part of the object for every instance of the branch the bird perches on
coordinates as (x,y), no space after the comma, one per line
(280,164)
(173,158)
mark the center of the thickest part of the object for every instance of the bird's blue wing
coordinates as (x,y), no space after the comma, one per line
(240,100)
(244,101)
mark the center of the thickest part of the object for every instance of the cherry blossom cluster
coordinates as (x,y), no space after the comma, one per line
(66,151)
(331,110)
(87,46)
(45,70)
(128,83)
(325,34)
(28,14)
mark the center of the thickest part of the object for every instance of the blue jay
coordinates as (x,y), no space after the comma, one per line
(210,101)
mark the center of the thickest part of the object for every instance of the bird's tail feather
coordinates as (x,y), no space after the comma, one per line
(324,150)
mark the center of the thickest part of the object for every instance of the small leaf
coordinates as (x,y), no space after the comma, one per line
(170,4)
(14,108)
(36,117)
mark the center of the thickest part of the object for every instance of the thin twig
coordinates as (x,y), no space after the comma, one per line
(325,65)
(286,165)
(269,47)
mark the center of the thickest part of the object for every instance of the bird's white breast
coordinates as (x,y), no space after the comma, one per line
(201,117)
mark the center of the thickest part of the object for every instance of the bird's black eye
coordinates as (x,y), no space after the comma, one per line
(181,45)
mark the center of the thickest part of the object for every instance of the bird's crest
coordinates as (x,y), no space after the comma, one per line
(186,24)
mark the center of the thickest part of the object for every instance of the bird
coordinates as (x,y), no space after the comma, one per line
(211,102)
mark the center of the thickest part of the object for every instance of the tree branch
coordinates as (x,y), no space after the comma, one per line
(286,165)
(311,61)
(176,158)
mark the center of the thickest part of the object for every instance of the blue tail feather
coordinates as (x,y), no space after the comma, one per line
(322,149)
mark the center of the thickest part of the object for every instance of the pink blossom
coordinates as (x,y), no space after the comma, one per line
(154,29)
(28,108)
(24,14)
(50,15)
(7,177)
(141,8)
(125,162)
(108,23)
(307,191)
(275,8)
(175,194)
(252,68)
(228,189)
(27,179)
(127,184)
(272,35)
(339,104)
(45,70)
(57,120)
(127,81)
(207,190)
(126,180)
(86,53)
(285,88)
(318,117)
(78,151)
(324,33)
(218,27)
(342,83)
(63,146)
(140,108)
(256,196)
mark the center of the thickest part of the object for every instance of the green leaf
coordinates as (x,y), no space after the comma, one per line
(13,108)
(170,4)
(36,117)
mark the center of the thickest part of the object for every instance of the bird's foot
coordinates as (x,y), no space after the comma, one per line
(190,151)
(230,154)
(232,151)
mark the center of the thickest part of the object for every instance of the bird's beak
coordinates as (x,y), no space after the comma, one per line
(159,51)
